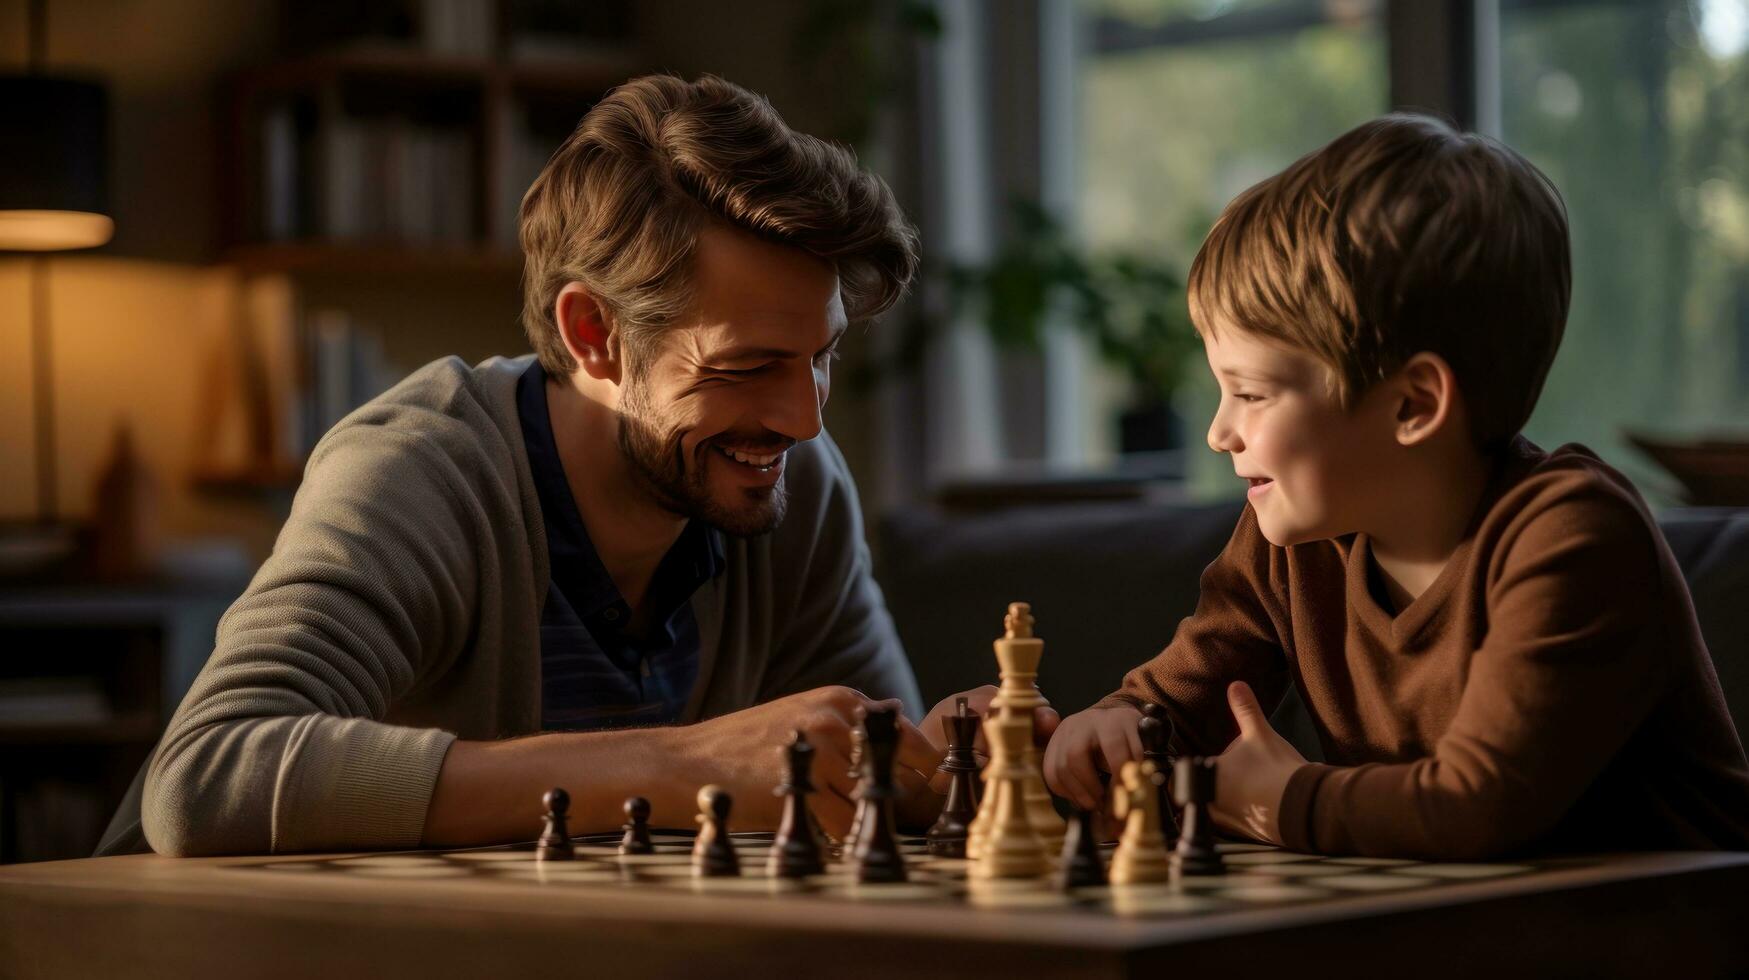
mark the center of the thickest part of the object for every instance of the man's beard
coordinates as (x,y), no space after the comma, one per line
(658,462)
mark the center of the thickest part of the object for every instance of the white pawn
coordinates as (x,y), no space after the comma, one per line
(1141,856)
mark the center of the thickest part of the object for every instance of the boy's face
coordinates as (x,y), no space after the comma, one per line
(707,422)
(1313,469)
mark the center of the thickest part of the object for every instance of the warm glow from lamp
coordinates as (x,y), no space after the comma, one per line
(53,231)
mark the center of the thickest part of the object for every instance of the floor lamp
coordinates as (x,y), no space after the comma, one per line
(54,196)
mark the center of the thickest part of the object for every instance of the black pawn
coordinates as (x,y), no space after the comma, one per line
(877,851)
(1193,782)
(1155,730)
(637,827)
(555,840)
(713,853)
(947,837)
(796,851)
(1082,865)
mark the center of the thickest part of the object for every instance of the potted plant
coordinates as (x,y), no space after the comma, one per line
(1131,305)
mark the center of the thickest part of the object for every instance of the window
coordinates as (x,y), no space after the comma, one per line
(1639,112)
(1637,109)
(1185,103)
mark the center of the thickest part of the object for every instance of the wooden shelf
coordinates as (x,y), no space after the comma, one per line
(373,258)
(137,728)
(261,478)
(416,66)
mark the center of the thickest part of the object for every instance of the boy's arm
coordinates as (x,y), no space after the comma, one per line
(1230,637)
(1565,675)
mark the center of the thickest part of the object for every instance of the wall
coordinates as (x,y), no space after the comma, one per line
(129,320)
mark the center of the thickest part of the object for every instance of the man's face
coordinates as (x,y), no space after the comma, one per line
(706,419)
(1314,470)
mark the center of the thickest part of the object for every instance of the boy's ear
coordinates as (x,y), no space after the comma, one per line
(1427,395)
(587,330)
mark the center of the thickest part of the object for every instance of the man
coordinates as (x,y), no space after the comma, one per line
(631,565)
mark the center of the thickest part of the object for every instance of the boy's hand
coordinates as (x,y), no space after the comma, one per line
(1253,771)
(1086,744)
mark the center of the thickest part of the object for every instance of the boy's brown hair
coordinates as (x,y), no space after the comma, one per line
(1402,235)
(620,205)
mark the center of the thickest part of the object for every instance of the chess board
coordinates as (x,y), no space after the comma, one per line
(498,912)
(1257,876)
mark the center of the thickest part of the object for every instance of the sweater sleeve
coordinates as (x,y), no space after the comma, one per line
(279,745)
(839,631)
(1562,679)
(1230,637)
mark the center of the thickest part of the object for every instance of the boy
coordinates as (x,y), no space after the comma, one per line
(1494,642)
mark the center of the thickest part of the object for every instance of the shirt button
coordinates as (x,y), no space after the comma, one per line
(611,614)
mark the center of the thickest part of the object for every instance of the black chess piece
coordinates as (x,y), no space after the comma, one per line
(877,853)
(555,840)
(713,853)
(637,827)
(1155,730)
(1082,864)
(796,852)
(1193,782)
(947,837)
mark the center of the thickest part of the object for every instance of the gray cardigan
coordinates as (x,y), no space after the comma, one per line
(401,609)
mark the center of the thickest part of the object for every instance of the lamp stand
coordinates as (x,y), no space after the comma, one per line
(42,390)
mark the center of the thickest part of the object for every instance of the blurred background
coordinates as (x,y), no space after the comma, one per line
(311,199)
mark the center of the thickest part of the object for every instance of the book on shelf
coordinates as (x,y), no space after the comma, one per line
(42,702)
(279,174)
(464,28)
(356,179)
(348,368)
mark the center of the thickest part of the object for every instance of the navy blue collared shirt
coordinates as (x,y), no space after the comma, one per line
(594,674)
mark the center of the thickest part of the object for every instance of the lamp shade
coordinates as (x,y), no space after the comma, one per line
(54,163)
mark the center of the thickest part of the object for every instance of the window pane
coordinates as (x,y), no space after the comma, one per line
(1170,133)
(1639,112)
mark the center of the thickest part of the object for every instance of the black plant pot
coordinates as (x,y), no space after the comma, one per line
(1150,427)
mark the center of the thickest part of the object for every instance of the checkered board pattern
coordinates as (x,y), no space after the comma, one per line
(1256,876)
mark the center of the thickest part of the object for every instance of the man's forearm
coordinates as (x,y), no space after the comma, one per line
(489,792)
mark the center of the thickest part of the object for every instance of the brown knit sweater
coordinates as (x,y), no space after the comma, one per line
(1549,691)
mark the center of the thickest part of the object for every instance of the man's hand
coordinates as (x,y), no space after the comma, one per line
(1086,744)
(1044,723)
(1253,771)
(743,753)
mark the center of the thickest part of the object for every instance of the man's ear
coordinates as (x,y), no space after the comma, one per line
(1427,398)
(588,332)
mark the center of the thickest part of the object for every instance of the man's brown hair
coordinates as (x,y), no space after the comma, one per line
(1402,235)
(620,205)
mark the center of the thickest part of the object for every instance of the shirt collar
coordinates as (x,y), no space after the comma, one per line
(695,558)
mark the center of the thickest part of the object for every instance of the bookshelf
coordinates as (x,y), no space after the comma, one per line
(89,672)
(389,153)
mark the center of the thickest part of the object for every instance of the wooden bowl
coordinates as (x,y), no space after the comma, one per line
(1713,472)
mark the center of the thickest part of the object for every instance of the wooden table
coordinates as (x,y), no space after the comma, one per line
(1676,914)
